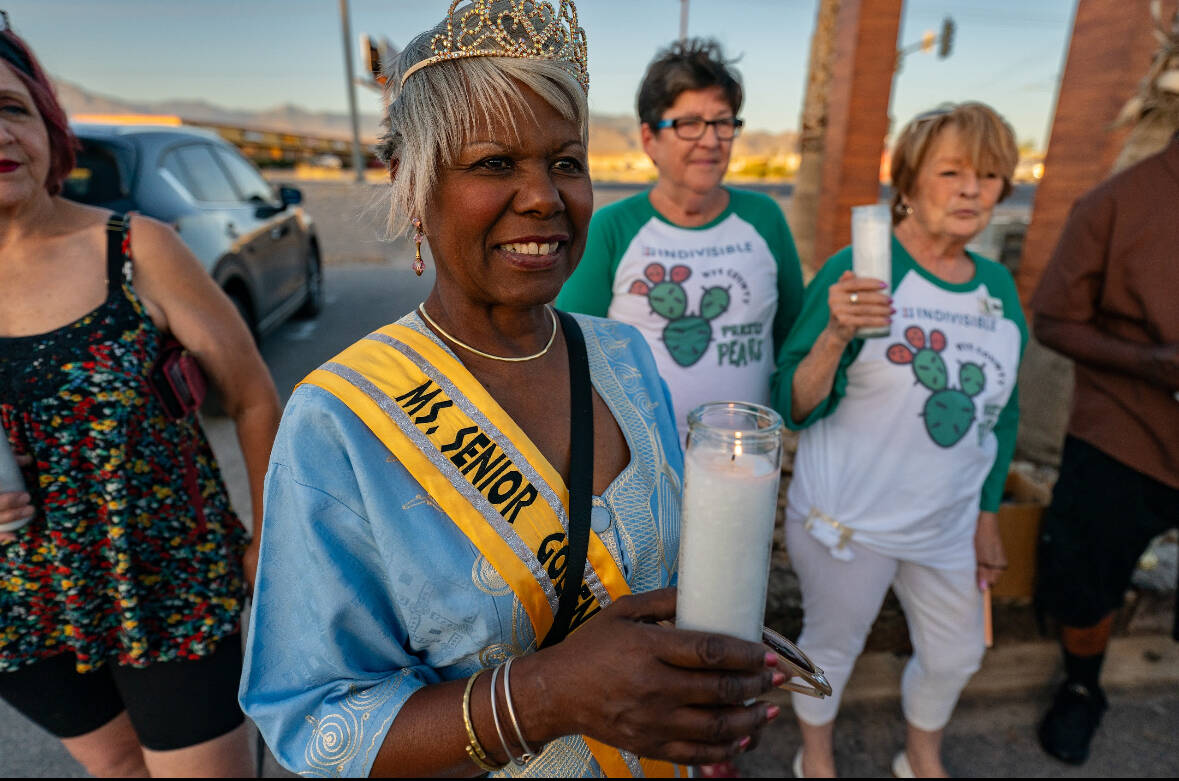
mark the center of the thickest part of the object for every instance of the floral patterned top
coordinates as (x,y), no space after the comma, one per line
(134,555)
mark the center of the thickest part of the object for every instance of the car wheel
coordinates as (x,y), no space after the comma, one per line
(242,304)
(313,304)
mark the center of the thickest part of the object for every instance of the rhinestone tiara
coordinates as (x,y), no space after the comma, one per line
(526,29)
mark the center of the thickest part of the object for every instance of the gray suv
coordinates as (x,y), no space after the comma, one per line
(257,243)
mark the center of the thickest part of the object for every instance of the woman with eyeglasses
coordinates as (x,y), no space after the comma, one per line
(906,438)
(707,273)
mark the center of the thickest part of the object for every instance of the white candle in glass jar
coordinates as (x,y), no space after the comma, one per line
(730,500)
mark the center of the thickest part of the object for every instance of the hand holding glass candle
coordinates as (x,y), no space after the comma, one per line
(872,251)
(731,470)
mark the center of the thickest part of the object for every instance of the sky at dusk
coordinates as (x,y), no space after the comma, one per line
(256,54)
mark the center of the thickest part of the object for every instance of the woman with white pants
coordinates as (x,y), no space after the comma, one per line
(907,437)
(942,607)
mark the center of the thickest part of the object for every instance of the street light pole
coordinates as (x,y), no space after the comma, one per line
(683,20)
(346,27)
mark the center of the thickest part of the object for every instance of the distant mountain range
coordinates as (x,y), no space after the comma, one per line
(287,118)
(610,134)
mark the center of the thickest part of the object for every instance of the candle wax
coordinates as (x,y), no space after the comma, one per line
(872,251)
(730,501)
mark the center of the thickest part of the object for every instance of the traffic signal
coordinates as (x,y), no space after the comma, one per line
(371,52)
(928,38)
(946,40)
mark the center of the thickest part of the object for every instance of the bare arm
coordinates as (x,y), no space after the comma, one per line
(991,559)
(677,696)
(15,505)
(184,300)
(1085,343)
(815,375)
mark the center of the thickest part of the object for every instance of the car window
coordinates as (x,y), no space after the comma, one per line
(250,183)
(198,171)
(96,178)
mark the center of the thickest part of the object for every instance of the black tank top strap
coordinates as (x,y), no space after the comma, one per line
(118,251)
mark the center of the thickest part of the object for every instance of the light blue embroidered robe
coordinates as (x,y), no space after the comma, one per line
(366,591)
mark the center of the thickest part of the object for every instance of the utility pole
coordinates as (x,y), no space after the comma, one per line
(350,86)
(683,20)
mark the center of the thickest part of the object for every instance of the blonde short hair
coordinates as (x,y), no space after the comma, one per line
(987,138)
(431,117)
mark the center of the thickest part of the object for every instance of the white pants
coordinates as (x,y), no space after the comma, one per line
(841,600)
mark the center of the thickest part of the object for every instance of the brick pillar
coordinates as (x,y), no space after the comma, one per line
(1111,49)
(857,117)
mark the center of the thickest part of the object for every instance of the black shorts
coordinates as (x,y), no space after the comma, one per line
(1102,517)
(171,704)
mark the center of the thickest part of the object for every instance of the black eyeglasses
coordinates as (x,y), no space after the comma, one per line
(694,128)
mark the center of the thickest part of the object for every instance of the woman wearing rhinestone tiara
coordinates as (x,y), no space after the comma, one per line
(411,587)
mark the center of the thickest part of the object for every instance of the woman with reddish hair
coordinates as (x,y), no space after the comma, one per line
(123,566)
(907,434)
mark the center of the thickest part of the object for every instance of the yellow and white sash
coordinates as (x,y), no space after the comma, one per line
(485,474)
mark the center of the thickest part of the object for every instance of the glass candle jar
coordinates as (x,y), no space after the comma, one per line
(732,465)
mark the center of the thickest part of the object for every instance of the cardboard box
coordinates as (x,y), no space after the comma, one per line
(1019,528)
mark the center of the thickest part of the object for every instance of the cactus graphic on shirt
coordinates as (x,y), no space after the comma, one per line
(686,336)
(949,412)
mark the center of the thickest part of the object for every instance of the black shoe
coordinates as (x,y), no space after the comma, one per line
(1068,727)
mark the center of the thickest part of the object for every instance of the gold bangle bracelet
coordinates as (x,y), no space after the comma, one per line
(475,750)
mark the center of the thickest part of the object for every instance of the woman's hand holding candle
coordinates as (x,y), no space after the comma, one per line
(655,690)
(855,303)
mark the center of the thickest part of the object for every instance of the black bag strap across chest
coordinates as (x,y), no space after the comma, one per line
(581,477)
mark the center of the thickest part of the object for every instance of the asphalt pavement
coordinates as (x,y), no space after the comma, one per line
(993,737)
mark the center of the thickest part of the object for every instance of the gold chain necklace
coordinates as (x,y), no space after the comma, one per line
(438,328)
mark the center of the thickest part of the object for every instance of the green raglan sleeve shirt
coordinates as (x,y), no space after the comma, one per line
(998,279)
(715,302)
(813,319)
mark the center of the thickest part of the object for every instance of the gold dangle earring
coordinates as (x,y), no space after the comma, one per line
(419,265)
